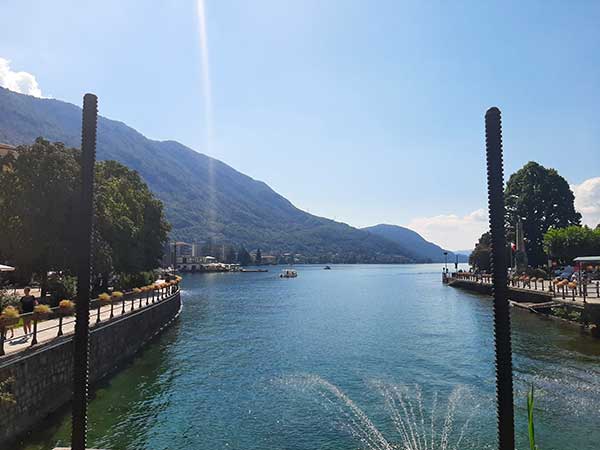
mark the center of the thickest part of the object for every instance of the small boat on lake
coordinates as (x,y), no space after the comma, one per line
(326,268)
(288,273)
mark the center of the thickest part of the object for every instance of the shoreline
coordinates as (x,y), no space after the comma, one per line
(526,300)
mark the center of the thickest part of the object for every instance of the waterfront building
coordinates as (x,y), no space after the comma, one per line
(5,149)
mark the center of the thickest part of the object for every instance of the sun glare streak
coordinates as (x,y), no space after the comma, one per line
(207,96)
(205,71)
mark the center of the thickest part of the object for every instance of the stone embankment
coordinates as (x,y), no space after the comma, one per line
(541,297)
(40,378)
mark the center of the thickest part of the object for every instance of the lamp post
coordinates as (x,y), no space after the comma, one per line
(174,259)
(84,260)
(446,261)
(504,381)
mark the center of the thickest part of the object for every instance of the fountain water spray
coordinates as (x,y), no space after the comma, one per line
(406,406)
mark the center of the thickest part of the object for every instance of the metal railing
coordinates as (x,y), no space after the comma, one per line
(42,323)
(562,289)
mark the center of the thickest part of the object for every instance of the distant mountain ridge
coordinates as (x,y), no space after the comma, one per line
(204,198)
(414,244)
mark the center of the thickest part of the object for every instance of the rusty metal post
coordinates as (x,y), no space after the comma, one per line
(504,380)
(84,260)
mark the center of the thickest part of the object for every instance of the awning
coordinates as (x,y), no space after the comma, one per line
(588,259)
(6,268)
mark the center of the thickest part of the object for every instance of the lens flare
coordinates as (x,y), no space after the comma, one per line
(207,96)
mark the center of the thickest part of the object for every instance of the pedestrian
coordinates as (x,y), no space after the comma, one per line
(28,302)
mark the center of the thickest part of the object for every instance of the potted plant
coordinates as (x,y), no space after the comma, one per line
(9,317)
(41,312)
(104,298)
(66,307)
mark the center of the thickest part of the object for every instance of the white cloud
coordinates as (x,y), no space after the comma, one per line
(21,82)
(461,232)
(451,231)
(587,200)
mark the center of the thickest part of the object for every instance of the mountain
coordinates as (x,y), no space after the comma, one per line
(414,245)
(204,198)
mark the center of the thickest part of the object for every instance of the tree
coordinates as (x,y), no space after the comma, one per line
(230,256)
(258,257)
(129,219)
(481,256)
(38,193)
(542,199)
(567,243)
(244,257)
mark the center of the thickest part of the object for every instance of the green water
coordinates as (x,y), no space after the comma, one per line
(255,362)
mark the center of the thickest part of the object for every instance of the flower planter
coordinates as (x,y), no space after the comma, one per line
(41,316)
(65,312)
(7,322)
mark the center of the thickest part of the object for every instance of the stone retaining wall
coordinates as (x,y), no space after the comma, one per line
(43,375)
(515,294)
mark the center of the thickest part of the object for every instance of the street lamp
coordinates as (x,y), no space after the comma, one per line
(446,261)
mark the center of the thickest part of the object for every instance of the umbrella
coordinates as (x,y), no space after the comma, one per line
(6,268)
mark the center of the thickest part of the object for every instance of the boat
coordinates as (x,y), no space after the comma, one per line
(326,268)
(288,273)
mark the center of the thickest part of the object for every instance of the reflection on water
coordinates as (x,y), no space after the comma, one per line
(215,380)
(120,407)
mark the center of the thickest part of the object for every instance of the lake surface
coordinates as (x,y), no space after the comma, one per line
(355,357)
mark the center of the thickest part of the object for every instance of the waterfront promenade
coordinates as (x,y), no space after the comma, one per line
(572,295)
(57,325)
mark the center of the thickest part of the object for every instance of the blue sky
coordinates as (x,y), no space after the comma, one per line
(362,111)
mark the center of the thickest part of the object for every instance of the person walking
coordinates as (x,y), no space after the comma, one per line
(28,302)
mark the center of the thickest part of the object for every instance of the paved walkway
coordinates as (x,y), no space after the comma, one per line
(591,298)
(47,330)
(558,296)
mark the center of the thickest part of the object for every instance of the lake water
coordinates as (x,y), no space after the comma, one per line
(355,357)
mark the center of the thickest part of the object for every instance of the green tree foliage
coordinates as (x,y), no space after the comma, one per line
(39,191)
(567,243)
(481,256)
(6,395)
(244,257)
(230,256)
(542,199)
(530,421)
(258,256)
(128,219)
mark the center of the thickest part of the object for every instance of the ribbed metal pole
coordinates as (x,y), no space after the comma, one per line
(84,260)
(504,381)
